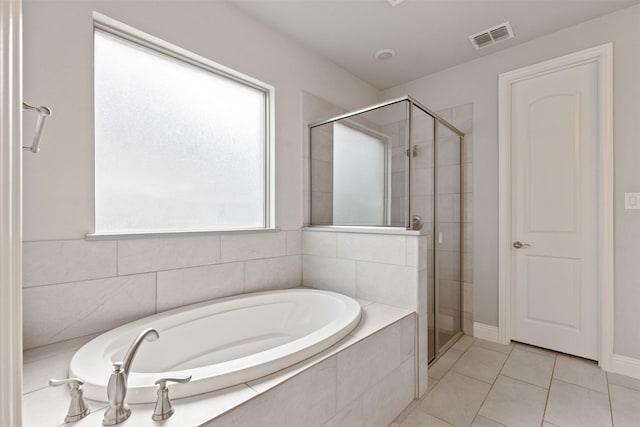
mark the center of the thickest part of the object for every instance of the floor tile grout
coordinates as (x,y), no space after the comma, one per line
(606,375)
(522,381)
(492,385)
(540,353)
(546,403)
(431,415)
(581,386)
(554,370)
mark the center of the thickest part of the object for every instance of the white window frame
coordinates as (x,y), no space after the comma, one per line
(123,31)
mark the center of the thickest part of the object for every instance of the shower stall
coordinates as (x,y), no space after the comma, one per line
(398,165)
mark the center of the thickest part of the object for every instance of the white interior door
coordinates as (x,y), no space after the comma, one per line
(554,146)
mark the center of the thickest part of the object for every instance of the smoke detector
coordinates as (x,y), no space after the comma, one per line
(492,36)
(394,2)
(384,54)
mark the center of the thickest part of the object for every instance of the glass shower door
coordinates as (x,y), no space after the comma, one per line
(448,274)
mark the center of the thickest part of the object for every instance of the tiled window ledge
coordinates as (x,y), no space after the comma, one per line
(365,230)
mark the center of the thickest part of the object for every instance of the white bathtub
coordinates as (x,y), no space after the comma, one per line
(220,343)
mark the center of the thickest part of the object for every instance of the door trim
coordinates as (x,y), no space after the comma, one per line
(603,57)
(11,213)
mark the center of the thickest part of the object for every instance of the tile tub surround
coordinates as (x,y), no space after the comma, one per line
(73,288)
(479,383)
(384,268)
(368,378)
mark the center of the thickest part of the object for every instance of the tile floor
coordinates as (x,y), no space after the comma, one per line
(483,384)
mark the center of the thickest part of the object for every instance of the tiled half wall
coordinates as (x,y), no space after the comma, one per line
(381,268)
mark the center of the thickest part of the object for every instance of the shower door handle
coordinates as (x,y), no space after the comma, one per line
(417,222)
(519,245)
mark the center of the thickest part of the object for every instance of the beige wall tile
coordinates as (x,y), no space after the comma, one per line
(166,253)
(59,312)
(191,285)
(241,247)
(60,261)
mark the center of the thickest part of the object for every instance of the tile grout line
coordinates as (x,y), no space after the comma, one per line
(477,379)
(117,259)
(606,375)
(526,382)
(552,378)
(454,362)
(434,416)
(336,410)
(492,385)
(156,295)
(527,348)
(73,282)
(581,386)
(244,277)
(286,243)
(418,406)
(546,403)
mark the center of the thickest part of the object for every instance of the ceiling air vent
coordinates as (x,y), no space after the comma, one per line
(492,36)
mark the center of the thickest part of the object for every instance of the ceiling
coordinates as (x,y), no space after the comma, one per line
(427,35)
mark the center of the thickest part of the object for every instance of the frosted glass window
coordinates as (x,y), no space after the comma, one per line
(359,173)
(178,147)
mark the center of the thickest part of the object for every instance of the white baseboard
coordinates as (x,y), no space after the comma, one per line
(485,332)
(625,365)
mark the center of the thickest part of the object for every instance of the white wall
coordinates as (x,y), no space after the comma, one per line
(58,72)
(73,287)
(477,82)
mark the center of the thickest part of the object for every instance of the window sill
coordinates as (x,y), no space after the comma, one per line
(155,235)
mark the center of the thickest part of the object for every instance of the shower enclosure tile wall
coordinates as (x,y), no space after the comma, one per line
(313,109)
(76,287)
(383,146)
(397,131)
(322,179)
(423,180)
(461,117)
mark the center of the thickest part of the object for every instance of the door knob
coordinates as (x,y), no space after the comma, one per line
(519,245)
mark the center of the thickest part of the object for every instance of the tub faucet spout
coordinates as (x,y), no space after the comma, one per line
(150,334)
(118,411)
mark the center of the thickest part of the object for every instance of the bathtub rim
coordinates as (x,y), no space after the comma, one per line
(146,393)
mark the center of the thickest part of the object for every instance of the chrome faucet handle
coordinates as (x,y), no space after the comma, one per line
(78,408)
(118,411)
(163,408)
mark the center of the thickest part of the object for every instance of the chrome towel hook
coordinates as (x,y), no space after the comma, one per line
(43,114)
